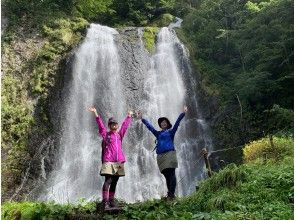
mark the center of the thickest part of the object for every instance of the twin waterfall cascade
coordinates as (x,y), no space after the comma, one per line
(115,74)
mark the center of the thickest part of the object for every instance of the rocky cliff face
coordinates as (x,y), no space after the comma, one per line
(135,63)
(33,65)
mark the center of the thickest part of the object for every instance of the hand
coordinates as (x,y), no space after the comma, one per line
(185,108)
(93,109)
(140,115)
(130,113)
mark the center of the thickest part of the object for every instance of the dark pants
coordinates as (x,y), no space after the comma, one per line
(171,180)
(108,189)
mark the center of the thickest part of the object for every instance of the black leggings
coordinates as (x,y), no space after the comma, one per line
(171,180)
(109,186)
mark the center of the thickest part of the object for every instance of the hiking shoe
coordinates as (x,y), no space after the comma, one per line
(112,203)
(105,205)
(169,198)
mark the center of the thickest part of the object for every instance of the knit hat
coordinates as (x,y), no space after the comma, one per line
(112,121)
(169,125)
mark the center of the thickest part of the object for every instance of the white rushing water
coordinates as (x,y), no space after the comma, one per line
(171,86)
(96,80)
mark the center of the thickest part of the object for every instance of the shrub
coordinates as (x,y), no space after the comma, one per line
(163,20)
(257,150)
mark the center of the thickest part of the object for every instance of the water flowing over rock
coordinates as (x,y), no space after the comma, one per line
(113,71)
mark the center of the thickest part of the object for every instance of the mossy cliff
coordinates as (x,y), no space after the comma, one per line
(31,65)
(149,38)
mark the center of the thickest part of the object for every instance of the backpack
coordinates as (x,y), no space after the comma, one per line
(104,144)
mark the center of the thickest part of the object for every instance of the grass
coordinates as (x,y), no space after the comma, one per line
(33,210)
(249,191)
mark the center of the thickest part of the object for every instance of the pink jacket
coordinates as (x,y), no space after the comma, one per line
(113,151)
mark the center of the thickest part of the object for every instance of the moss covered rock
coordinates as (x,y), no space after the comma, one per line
(149,38)
(30,61)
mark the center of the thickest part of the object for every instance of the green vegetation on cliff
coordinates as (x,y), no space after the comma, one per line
(149,38)
(30,63)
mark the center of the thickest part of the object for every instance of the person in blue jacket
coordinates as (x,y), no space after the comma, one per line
(165,149)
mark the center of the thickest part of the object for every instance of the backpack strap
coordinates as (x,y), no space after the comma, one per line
(155,145)
(107,139)
(104,144)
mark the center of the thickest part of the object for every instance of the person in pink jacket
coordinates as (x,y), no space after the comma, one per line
(113,158)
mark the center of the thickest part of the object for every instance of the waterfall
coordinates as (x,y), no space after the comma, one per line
(100,78)
(170,85)
(96,81)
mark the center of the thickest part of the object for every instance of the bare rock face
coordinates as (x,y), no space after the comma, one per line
(135,62)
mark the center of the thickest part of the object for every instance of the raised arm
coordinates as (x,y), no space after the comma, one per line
(150,127)
(181,116)
(125,124)
(147,124)
(101,127)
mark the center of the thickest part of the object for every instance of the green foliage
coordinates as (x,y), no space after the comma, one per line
(163,20)
(257,150)
(229,177)
(63,35)
(110,12)
(245,48)
(245,192)
(16,121)
(27,78)
(35,13)
(33,210)
(66,31)
(253,7)
(16,117)
(133,13)
(250,191)
(92,9)
(149,38)
(281,119)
